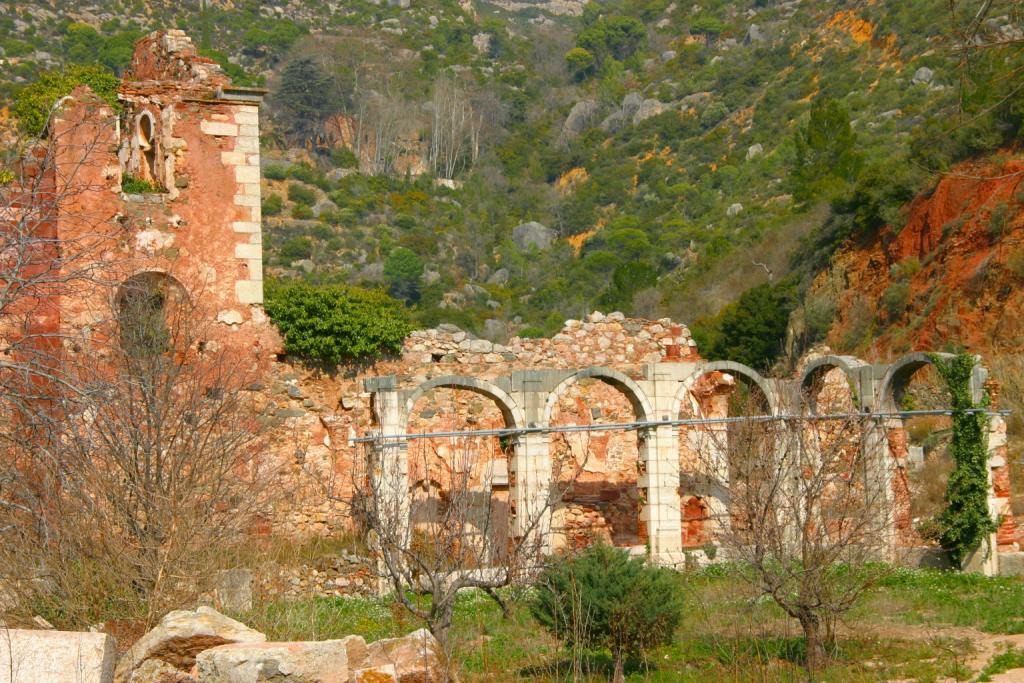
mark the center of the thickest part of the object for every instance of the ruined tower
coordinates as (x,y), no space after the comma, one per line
(172,182)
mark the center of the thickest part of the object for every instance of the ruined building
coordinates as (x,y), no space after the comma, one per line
(176,170)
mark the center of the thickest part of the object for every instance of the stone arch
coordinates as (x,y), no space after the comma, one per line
(643,411)
(731,367)
(851,367)
(510,410)
(142,307)
(897,378)
(145,140)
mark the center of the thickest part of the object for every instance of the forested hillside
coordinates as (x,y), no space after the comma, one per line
(504,166)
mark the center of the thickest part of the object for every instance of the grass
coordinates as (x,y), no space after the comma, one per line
(1004,661)
(728,633)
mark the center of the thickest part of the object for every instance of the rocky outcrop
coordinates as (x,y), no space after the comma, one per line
(582,116)
(179,637)
(533,234)
(957,265)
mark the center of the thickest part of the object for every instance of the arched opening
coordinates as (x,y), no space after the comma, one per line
(145,139)
(597,472)
(459,485)
(830,385)
(706,466)
(918,448)
(144,305)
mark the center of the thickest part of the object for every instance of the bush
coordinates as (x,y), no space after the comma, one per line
(301,212)
(32,105)
(301,194)
(296,248)
(275,172)
(403,269)
(604,598)
(272,205)
(337,323)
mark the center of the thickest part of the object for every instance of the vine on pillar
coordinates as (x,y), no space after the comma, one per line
(966,520)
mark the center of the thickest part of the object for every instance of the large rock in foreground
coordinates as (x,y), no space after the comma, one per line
(328,661)
(50,656)
(415,658)
(180,636)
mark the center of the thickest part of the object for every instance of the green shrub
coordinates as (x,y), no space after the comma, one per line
(296,248)
(272,204)
(32,105)
(602,598)
(895,298)
(403,269)
(343,157)
(132,185)
(336,323)
(301,194)
(275,172)
(302,212)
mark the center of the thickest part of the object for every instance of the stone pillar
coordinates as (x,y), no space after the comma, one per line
(659,454)
(1004,539)
(389,466)
(530,467)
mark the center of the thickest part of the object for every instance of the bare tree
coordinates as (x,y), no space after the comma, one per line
(449,532)
(142,475)
(455,127)
(380,117)
(806,514)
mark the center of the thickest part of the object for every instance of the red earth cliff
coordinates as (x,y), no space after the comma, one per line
(954,273)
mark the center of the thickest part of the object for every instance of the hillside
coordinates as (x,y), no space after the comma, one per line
(507,165)
(950,277)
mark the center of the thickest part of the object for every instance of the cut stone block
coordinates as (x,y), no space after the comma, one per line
(50,656)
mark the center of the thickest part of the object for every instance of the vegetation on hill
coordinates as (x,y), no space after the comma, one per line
(703,162)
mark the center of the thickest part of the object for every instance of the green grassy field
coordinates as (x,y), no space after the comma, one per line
(917,625)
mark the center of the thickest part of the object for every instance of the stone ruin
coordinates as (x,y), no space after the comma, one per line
(186,131)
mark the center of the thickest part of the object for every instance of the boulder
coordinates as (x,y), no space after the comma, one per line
(49,656)
(582,116)
(734,209)
(533,234)
(754,35)
(614,122)
(648,108)
(630,103)
(923,75)
(499,277)
(472,291)
(754,151)
(415,658)
(180,636)
(328,661)
(668,55)
(324,206)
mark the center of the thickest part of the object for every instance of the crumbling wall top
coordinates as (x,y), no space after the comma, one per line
(170,55)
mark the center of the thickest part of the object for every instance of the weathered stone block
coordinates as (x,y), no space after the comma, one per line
(219,128)
(50,656)
(248,251)
(245,226)
(247,174)
(233,158)
(247,118)
(327,661)
(249,291)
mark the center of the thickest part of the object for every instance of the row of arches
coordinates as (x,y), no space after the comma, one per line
(609,493)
